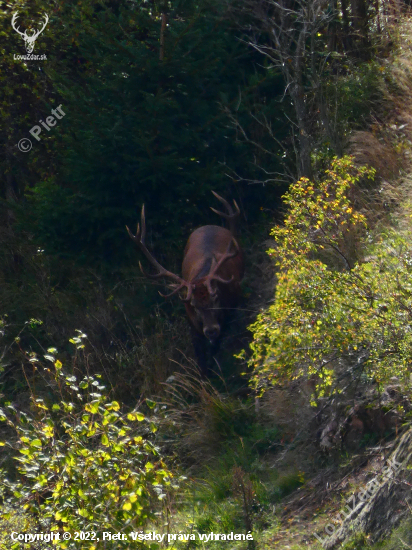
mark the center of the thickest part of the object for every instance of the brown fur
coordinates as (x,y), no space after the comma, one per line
(206,244)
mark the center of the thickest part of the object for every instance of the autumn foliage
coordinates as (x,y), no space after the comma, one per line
(335,317)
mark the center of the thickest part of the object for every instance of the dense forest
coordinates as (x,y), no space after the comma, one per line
(252,388)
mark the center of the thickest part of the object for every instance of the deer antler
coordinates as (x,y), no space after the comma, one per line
(216,264)
(139,239)
(230,216)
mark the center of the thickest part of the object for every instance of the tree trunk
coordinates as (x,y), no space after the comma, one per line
(346,39)
(162,37)
(305,146)
(332,28)
(360,27)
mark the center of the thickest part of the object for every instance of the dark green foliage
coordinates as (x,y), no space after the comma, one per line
(140,130)
(360,94)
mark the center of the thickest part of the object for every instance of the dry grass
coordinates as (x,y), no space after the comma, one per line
(376,151)
(288,408)
(399,92)
(140,364)
(204,418)
(387,146)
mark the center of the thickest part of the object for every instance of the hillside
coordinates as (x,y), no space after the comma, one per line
(270,409)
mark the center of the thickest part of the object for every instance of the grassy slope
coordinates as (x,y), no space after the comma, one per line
(250,466)
(249,473)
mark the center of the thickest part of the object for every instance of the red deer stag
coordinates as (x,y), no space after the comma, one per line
(211,271)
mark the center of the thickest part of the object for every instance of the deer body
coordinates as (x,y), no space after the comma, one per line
(211,271)
(206,245)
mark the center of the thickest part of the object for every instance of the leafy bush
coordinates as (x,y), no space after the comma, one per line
(359,91)
(19,522)
(322,221)
(333,318)
(84,465)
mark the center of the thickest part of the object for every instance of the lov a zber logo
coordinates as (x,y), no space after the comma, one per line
(29,41)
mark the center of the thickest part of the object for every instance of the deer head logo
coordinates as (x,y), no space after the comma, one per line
(29,40)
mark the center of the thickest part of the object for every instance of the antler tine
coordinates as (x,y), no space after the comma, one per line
(231,215)
(173,291)
(143,226)
(216,265)
(226,281)
(149,275)
(227,204)
(140,235)
(184,284)
(139,239)
(189,293)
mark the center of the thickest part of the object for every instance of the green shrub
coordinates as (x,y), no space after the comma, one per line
(359,92)
(14,520)
(333,317)
(84,465)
